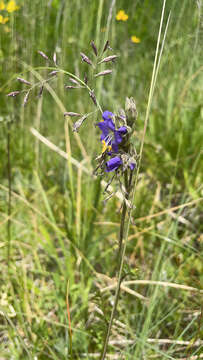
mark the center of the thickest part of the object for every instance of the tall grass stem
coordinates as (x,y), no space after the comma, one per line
(9,191)
(125,233)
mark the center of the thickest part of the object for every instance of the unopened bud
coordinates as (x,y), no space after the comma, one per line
(131,111)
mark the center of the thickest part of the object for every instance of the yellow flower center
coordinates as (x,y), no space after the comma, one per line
(105,146)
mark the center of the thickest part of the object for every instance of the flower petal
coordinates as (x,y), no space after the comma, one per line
(113,163)
(132,166)
(107,115)
(122,130)
(118,137)
(118,134)
(114,146)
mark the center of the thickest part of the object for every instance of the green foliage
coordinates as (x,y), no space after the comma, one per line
(61,231)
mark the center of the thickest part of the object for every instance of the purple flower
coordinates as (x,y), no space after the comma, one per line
(132,166)
(110,136)
(107,115)
(113,163)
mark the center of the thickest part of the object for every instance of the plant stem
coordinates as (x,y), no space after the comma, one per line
(123,247)
(9,194)
(123,215)
(121,254)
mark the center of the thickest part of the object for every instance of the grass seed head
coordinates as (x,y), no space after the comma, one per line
(94,47)
(85,59)
(105,72)
(43,55)
(41,91)
(13,93)
(74,81)
(106,46)
(26,98)
(23,81)
(68,87)
(71,114)
(79,122)
(53,73)
(108,58)
(93,97)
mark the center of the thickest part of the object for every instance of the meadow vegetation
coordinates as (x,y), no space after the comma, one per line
(58,239)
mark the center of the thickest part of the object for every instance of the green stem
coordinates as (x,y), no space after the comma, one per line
(9,193)
(122,248)
(123,215)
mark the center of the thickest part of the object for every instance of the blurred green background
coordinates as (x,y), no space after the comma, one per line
(56,229)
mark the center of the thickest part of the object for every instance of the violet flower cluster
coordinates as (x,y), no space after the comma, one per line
(113,140)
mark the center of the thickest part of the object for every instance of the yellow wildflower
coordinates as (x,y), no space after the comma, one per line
(3,20)
(135,39)
(11,6)
(2,5)
(105,146)
(121,16)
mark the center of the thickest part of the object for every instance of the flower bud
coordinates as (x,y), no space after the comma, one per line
(131,111)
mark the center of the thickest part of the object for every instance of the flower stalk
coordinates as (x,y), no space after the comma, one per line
(121,255)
